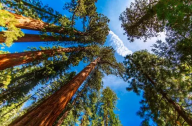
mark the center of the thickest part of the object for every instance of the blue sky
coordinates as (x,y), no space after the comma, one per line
(128,103)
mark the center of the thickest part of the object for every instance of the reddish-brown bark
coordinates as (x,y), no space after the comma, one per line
(34,24)
(60,121)
(65,114)
(35,38)
(47,112)
(14,59)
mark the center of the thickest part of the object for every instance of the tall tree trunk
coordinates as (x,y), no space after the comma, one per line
(36,38)
(34,24)
(176,106)
(60,121)
(13,59)
(47,112)
(82,121)
(106,119)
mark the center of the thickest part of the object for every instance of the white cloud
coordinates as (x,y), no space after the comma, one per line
(115,25)
(118,45)
(115,83)
(3,47)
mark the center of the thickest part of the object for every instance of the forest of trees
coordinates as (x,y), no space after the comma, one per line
(38,86)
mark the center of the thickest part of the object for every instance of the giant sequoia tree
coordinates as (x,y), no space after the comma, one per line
(42,76)
(95,25)
(13,59)
(53,109)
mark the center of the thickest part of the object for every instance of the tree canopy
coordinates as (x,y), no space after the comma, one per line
(163,77)
(41,86)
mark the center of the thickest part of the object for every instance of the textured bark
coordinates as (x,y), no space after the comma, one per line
(60,121)
(13,59)
(34,24)
(47,112)
(36,38)
(177,107)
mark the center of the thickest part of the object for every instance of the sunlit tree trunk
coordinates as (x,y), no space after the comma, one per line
(29,23)
(47,112)
(34,24)
(13,59)
(65,114)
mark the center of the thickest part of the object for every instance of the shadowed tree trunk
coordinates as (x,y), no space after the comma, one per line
(106,118)
(176,106)
(47,112)
(13,59)
(82,121)
(36,38)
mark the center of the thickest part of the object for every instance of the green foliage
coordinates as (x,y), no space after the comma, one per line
(5,78)
(145,19)
(178,17)
(109,100)
(35,81)
(26,79)
(32,8)
(12,32)
(88,105)
(9,112)
(171,82)
(140,20)
(95,25)
(166,75)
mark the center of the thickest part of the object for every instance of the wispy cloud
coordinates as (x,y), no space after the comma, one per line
(118,45)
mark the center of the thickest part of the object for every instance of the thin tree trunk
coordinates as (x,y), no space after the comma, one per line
(47,112)
(60,121)
(177,107)
(36,38)
(82,121)
(106,119)
(34,24)
(32,6)
(14,59)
